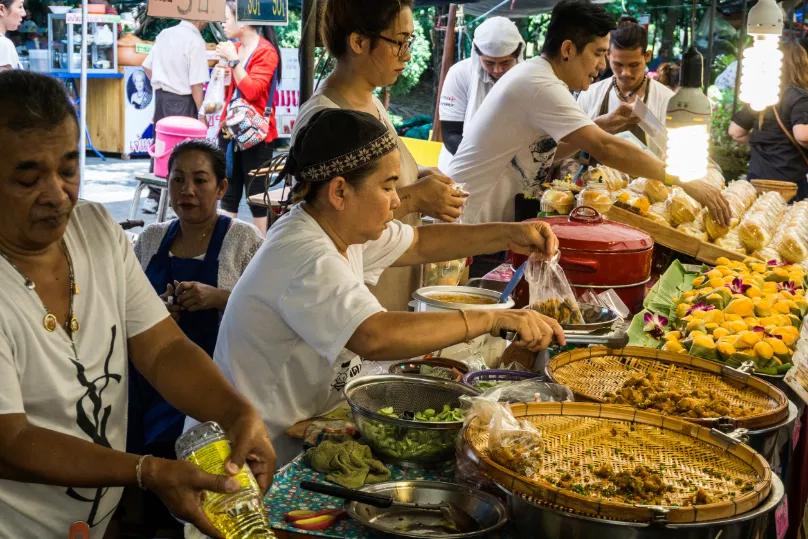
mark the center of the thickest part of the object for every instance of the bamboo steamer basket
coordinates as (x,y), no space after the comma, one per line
(591,372)
(578,434)
(788,190)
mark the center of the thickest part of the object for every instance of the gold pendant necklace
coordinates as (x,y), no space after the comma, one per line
(50,323)
(199,239)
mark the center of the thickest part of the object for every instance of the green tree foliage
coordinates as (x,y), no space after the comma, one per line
(732,157)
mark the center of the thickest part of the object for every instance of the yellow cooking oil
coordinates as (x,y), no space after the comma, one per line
(240,515)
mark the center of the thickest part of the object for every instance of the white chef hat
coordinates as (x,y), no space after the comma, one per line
(498,37)
(495,37)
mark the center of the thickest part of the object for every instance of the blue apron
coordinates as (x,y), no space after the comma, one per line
(151,418)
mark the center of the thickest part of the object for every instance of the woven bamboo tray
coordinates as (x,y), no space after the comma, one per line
(577,435)
(591,372)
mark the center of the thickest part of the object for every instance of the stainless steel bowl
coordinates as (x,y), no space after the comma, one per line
(531,520)
(402,441)
(487,510)
(595,317)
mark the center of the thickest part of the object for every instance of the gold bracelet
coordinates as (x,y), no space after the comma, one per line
(468,328)
(670,180)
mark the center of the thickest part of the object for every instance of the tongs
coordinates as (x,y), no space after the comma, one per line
(610,338)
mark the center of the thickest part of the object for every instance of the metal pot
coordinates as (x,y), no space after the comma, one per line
(424,303)
(533,520)
(490,347)
(598,254)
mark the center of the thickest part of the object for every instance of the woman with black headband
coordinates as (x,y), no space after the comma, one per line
(302,316)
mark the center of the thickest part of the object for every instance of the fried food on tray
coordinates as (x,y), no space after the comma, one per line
(649,391)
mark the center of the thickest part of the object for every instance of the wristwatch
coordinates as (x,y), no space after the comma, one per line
(233,63)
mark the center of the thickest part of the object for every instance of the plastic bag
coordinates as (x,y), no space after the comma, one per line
(550,292)
(444,273)
(515,444)
(213,103)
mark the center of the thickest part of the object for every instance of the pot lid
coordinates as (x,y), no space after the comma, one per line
(585,229)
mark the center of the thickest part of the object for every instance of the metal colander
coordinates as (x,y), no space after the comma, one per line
(403,441)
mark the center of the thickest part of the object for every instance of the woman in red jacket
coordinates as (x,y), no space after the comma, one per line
(256,68)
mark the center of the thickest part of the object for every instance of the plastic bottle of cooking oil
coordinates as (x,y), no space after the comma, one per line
(240,515)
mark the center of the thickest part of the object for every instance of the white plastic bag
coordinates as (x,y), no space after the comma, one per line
(214,95)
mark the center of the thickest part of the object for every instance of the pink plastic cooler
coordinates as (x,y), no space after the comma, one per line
(168,133)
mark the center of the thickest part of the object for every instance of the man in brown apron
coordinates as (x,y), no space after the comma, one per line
(610,101)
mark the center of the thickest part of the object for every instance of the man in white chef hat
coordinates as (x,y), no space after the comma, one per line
(497,47)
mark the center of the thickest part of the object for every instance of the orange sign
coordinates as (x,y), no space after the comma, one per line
(190,10)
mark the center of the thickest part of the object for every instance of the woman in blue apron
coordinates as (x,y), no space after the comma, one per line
(193,262)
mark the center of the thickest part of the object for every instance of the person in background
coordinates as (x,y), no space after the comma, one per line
(301,319)
(177,66)
(669,74)
(192,262)
(497,47)
(779,136)
(74,305)
(371,41)
(256,64)
(11,15)
(663,56)
(610,102)
(530,118)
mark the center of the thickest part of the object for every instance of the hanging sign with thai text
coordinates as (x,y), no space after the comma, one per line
(263,12)
(190,10)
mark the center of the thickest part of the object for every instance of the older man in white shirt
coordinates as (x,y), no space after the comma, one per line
(497,47)
(178,68)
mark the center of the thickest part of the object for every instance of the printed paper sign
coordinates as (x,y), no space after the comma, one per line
(190,10)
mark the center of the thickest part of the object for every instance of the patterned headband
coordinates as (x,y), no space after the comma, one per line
(372,151)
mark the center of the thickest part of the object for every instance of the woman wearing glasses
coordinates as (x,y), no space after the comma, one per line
(371,41)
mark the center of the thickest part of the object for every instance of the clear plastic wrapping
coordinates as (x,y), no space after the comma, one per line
(513,443)
(695,228)
(653,189)
(731,242)
(628,200)
(761,221)
(595,195)
(659,214)
(715,177)
(610,178)
(740,195)
(682,207)
(791,238)
(550,292)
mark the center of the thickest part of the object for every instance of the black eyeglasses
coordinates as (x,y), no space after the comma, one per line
(403,46)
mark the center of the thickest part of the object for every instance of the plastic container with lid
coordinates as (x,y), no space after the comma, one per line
(557,201)
(240,515)
(595,195)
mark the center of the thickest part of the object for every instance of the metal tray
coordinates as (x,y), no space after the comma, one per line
(595,318)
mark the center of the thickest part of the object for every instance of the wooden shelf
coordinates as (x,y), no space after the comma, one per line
(672,238)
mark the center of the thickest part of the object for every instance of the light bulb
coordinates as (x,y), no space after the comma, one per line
(761,65)
(760,75)
(688,123)
(687,152)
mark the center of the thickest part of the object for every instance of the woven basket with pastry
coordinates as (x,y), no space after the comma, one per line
(617,463)
(697,390)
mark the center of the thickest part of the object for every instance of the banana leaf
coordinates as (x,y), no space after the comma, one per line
(637,336)
(674,282)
